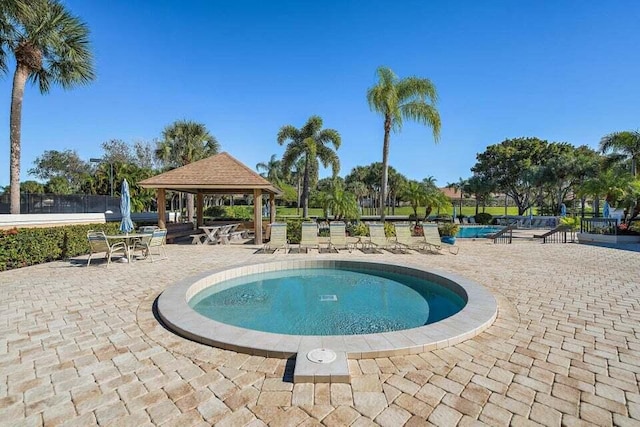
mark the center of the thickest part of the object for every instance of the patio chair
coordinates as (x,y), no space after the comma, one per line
(98,242)
(404,238)
(432,239)
(278,238)
(156,240)
(309,236)
(472,220)
(338,236)
(378,239)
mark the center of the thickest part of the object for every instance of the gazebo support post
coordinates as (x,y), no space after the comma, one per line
(199,210)
(257,215)
(272,208)
(161,201)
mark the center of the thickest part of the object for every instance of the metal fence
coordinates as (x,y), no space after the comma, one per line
(599,225)
(55,203)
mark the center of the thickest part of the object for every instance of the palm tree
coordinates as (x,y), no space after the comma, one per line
(309,143)
(459,186)
(184,142)
(626,143)
(50,46)
(415,193)
(411,98)
(271,169)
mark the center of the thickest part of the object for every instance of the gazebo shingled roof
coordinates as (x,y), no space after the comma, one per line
(218,174)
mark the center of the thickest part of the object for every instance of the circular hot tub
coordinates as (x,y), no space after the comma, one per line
(365,309)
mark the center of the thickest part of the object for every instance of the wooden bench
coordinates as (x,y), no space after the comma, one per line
(176,231)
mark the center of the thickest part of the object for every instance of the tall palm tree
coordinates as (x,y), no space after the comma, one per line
(310,143)
(184,142)
(50,46)
(627,143)
(411,98)
(270,170)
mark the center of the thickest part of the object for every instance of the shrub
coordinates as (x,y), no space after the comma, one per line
(294,230)
(448,228)
(358,229)
(30,246)
(244,213)
(389,229)
(484,218)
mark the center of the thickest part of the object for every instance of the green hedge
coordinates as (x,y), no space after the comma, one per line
(21,247)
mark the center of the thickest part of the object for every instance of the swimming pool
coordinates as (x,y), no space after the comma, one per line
(327,301)
(175,311)
(475,231)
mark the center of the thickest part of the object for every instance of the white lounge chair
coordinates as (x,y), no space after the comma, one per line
(432,239)
(338,236)
(309,236)
(278,238)
(404,238)
(378,239)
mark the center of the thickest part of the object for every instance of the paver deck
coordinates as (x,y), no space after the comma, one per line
(81,346)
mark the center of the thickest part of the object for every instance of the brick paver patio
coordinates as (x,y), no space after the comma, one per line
(80,346)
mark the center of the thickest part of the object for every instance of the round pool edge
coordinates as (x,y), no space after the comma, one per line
(478,314)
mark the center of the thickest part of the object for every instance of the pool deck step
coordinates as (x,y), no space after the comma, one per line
(307,371)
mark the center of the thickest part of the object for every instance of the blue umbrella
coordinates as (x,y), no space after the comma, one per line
(126,225)
(606,209)
(563,210)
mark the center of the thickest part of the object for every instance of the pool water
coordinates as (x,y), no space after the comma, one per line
(477,231)
(323,301)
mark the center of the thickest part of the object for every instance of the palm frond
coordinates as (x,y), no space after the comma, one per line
(423,113)
(287,132)
(411,88)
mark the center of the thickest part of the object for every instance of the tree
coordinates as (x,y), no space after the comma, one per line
(61,164)
(32,187)
(627,143)
(117,151)
(460,186)
(479,189)
(50,46)
(310,143)
(342,204)
(509,167)
(415,193)
(184,142)
(411,98)
(270,170)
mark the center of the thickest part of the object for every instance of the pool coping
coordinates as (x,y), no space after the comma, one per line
(477,315)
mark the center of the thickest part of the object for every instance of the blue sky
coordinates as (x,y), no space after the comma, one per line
(557,70)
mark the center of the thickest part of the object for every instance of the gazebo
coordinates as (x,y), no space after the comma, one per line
(218,174)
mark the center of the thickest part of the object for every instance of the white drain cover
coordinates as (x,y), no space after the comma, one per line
(328,298)
(321,355)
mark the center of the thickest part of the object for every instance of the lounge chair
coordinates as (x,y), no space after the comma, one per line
(338,236)
(157,240)
(98,242)
(309,236)
(433,242)
(472,220)
(278,238)
(378,239)
(464,220)
(405,240)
